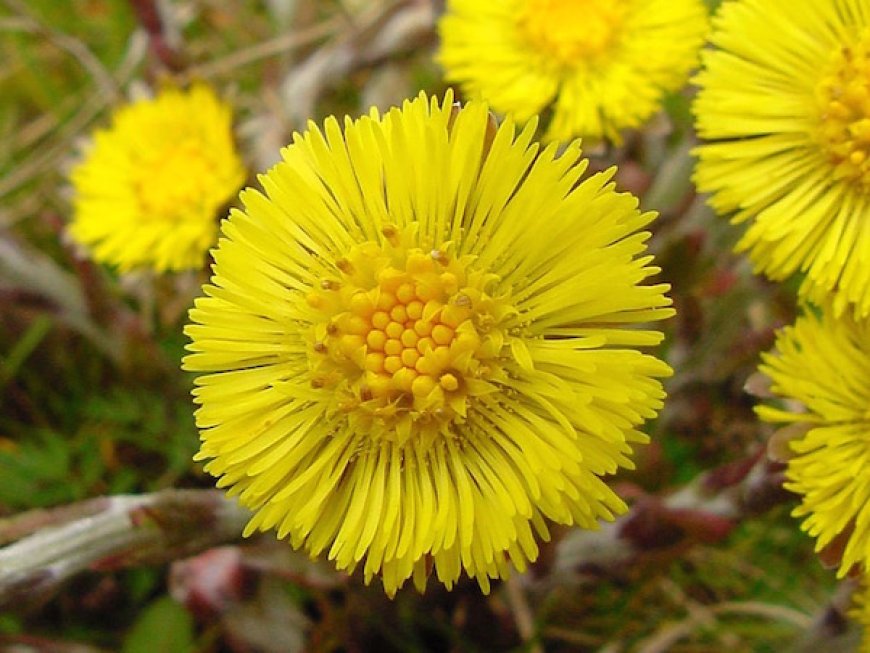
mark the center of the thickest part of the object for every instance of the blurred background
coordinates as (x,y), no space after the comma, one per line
(93,404)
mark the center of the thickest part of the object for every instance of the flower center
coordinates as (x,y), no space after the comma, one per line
(843,96)
(406,338)
(175,182)
(572,30)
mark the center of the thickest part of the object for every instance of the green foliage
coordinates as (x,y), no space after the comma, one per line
(741,595)
(46,471)
(10,364)
(9,624)
(682,455)
(163,626)
(126,441)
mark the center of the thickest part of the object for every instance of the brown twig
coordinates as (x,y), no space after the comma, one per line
(705,510)
(32,276)
(831,629)
(378,36)
(148,14)
(273,47)
(523,616)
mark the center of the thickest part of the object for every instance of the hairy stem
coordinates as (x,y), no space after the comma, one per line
(109,533)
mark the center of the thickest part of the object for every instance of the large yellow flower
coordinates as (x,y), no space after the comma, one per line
(823,362)
(784,102)
(420,343)
(147,193)
(600,66)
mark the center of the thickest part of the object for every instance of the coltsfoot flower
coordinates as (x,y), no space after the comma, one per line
(147,193)
(420,344)
(599,66)
(860,613)
(784,103)
(823,363)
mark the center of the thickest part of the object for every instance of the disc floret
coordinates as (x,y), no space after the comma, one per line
(552,26)
(843,95)
(405,338)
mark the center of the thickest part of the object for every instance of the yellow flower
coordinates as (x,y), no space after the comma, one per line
(420,343)
(147,194)
(823,362)
(860,613)
(784,102)
(599,66)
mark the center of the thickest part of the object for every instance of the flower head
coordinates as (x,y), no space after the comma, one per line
(600,66)
(823,362)
(787,115)
(147,194)
(860,613)
(419,343)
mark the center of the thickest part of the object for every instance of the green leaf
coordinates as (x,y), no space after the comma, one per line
(163,626)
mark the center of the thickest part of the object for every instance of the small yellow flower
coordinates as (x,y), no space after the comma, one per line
(148,192)
(420,343)
(784,104)
(599,66)
(860,613)
(823,362)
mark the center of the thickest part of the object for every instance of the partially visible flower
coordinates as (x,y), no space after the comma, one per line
(784,103)
(420,344)
(148,191)
(823,362)
(599,66)
(860,613)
